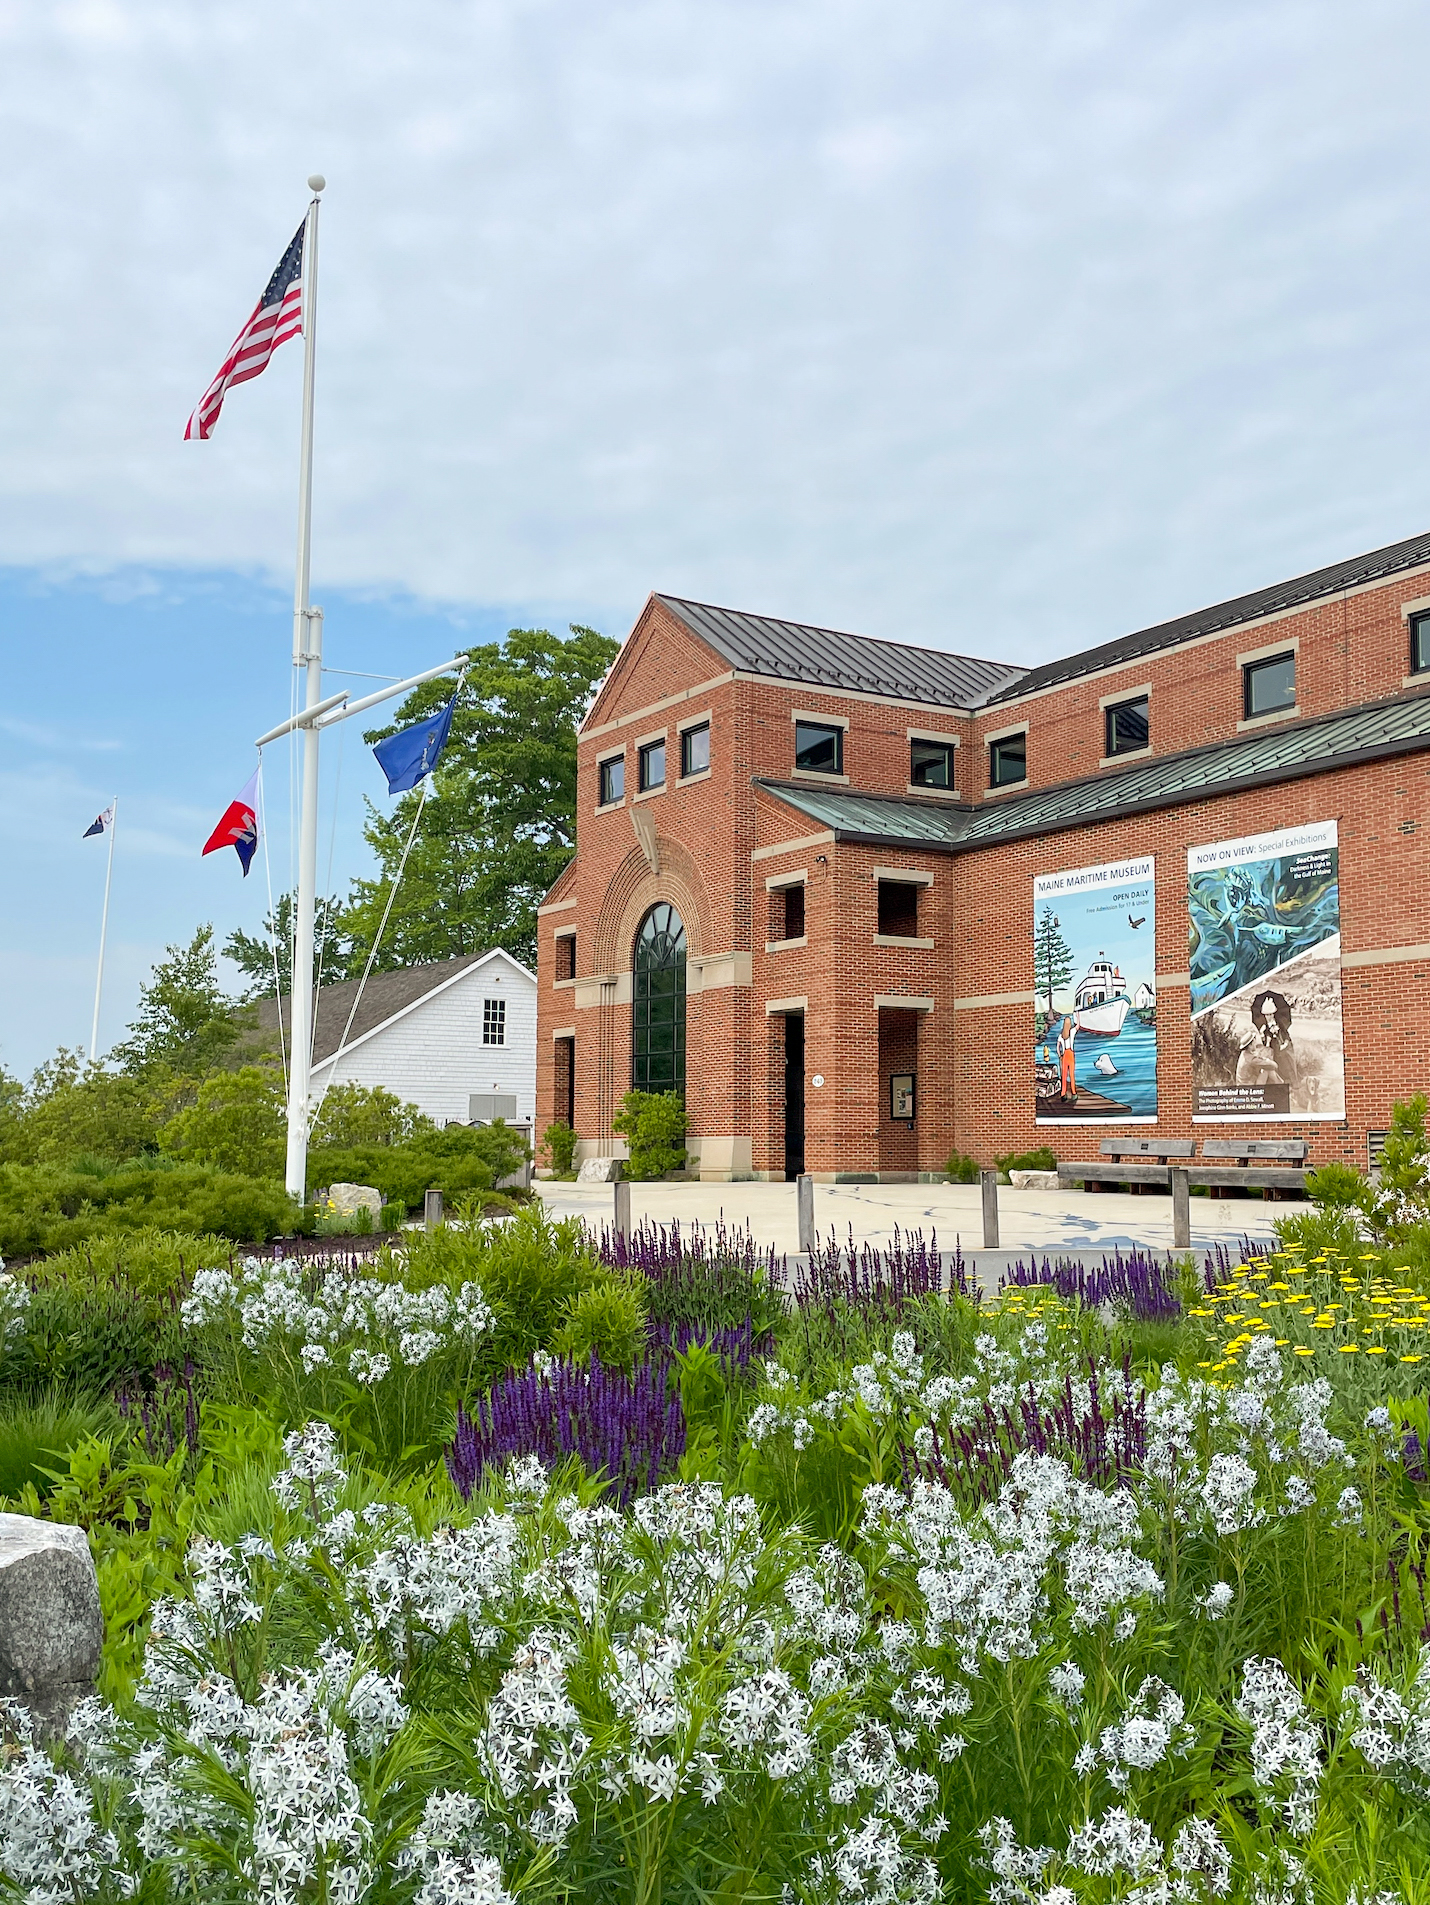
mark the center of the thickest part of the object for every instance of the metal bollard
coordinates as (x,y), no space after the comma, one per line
(988,1184)
(1181,1210)
(623,1208)
(431,1209)
(804,1199)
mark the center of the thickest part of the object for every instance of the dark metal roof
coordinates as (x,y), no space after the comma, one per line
(1374,567)
(385,995)
(1282,754)
(827,658)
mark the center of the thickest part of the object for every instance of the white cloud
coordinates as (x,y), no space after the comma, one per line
(1009,327)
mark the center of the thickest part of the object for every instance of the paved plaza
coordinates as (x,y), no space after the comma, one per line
(1064,1222)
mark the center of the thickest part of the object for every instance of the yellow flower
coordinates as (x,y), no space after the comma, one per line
(1350,1349)
(1301,1350)
(1375,1349)
(1412,1359)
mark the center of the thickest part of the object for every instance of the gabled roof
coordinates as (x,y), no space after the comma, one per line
(1375,567)
(827,658)
(1280,754)
(386,996)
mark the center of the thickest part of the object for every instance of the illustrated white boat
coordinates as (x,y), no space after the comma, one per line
(1101,1004)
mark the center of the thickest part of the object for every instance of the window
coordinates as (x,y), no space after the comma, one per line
(898,909)
(1268,687)
(931,763)
(566,956)
(658,1003)
(695,750)
(1419,644)
(818,749)
(1008,760)
(613,780)
(1128,727)
(652,766)
(564,1105)
(493,1021)
(787,912)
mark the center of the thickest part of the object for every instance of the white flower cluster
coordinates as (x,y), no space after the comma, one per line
(1392,1731)
(1196,1866)
(1285,1744)
(335,1318)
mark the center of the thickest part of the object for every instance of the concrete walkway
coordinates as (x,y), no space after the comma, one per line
(1072,1223)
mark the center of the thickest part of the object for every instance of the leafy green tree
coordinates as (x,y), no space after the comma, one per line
(355,1114)
(236,1123)
(503,824)
(253,953)
(1052,956)
(74,1110)
(186,1025)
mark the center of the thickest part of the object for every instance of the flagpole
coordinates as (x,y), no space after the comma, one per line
(103,933)
(308,655)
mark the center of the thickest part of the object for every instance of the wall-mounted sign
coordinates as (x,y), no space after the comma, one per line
(901,1095)
(1265,919)
(818,1079)
(1095,985)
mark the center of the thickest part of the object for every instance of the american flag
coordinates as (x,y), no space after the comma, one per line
(278,317)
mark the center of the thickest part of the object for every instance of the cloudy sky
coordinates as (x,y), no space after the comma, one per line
(1006,327)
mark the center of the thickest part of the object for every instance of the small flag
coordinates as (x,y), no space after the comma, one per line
(411,753)
(239,827)
(279,316)
(101,823)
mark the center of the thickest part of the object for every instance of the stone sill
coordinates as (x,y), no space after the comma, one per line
(786,945)
(898,939)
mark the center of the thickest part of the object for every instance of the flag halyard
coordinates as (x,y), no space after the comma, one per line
(277,317)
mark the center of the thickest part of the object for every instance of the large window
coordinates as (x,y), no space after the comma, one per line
(931,763)
(658,1003)
(1008,760)
(818,749)
(1128,727)
(1269,687)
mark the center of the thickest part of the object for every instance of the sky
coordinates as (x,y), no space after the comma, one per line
(1003,328)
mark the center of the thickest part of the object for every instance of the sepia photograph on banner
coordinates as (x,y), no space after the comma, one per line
(1265,961)
(1095,1008)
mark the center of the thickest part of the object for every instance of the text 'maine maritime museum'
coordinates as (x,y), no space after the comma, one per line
(866,903)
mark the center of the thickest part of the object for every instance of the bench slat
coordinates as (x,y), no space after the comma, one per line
(1289,1149)
(1147,1147)
(1114,1174)
(1255,1177)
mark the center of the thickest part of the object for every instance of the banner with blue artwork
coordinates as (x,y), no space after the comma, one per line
(1095,994)
(1265,919)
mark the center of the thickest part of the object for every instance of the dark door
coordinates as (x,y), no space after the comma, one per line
(794,1094)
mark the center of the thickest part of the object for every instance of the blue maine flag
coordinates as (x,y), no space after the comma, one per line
(411,753)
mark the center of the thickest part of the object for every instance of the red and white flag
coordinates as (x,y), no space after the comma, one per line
(278,317)
(240,827)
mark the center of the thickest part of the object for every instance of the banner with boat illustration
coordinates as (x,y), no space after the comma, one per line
(1095,994)
(1266,976)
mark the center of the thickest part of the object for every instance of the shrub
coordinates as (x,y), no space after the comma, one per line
(44,1208)
(607,1322)
(1336,1186)
(653,1125)
(962,1169)
(237,1123)
(560,1142)
(460,1158)
(1041,1159)
(354,1114)
(76,1111)
(1398,1205)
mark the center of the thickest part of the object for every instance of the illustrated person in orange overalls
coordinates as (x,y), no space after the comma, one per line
(1067,1063)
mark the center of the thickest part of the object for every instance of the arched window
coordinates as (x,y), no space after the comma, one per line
(658,1003)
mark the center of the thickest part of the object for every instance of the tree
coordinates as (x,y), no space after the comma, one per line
(1052,956)
(186,1025)
(253,953)
(503,824)
(355,1114)
(76,1110)
(236,1123)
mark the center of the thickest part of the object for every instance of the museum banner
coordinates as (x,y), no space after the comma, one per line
(1265,921)
(1095,994)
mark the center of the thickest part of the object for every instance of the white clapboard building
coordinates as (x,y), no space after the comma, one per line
(456,1039)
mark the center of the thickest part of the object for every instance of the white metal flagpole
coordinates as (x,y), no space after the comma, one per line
(103,932)
(308,655)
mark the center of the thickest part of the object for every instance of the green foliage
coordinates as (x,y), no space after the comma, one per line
(46,1208)
(606,1320)
(236,1123)
(186,1025)
(962,1169)
(459,1159)
(253,954)
(353,1115)
(653,1125)
(1398,1204)
(1039,1159)
(73,1110)
(1336,1186)
(37,1434)
(560,1143)
(504,823)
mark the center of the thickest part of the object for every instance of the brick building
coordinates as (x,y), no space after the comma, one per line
(804,890)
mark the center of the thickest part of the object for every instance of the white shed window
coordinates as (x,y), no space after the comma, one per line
(493,1021)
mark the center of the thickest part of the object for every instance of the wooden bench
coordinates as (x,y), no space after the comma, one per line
(1142,1171)
(1283,1171)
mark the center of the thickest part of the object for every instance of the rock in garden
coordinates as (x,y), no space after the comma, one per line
(599,1171)
(1033,1180)
(51,1627)
(348,1199)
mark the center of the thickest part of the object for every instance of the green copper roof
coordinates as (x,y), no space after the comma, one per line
(1277,754)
